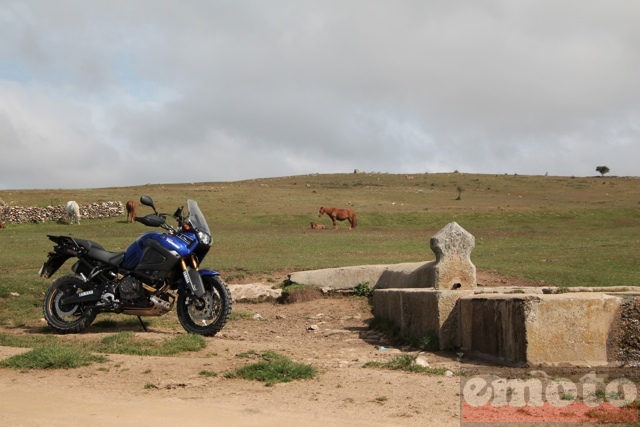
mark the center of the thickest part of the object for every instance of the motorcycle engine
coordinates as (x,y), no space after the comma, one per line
(130,289)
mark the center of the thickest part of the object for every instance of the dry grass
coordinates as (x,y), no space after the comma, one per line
(557,230)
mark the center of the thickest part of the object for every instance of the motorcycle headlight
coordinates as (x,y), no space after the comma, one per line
(204,238)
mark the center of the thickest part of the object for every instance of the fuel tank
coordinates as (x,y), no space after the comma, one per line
(155,251)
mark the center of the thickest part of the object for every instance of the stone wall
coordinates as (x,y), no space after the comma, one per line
(20,214)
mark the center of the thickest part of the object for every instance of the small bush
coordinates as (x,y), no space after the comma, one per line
(428,341)
(385,326)
(363,290)
(295,292)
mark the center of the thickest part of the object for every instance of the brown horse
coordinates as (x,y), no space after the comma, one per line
(340,215)
(131,210)
(317,226)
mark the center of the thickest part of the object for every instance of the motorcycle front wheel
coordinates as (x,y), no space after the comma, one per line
(67,318)
(207,315)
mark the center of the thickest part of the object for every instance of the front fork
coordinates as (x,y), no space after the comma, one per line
(192,277)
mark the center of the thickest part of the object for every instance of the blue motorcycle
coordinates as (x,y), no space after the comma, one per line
(157,270)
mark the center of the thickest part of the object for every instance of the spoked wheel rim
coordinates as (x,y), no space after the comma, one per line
(206,310)
(206,315)
(66,318)
(64,312)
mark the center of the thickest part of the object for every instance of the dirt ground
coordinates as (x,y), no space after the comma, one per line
(331,334)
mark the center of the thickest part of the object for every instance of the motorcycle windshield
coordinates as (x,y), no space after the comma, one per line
(196,217)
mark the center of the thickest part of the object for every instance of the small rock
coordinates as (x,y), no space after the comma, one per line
(312,328)
(538,374)
(421,361)
(591,378)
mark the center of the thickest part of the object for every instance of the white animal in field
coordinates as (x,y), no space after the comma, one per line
(73,212)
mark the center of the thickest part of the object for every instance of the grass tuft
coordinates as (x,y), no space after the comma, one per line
(27,341)
(405,362)
(53,356)
(428,341)
(272,369)
(128,343)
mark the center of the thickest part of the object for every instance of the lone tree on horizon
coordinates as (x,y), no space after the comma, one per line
(602,170)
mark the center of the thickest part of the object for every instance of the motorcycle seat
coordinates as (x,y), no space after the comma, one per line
(96,251)
(113,258)
(87,244)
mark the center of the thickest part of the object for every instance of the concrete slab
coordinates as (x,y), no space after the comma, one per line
(452,268)
(570,329)
(422,312)
(405,275)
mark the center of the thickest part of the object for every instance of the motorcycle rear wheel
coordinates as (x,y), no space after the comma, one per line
(70,318)
(207,315)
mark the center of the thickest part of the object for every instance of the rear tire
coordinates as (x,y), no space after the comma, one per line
(207,315)
(70,318)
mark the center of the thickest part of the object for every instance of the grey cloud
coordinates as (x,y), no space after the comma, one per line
(288,87)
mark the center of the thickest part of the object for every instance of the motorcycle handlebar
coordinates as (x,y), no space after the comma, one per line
(151,220)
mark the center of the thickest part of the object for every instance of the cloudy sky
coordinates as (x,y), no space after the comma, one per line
(127,92)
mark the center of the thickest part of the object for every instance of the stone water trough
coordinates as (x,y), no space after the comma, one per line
(508,326)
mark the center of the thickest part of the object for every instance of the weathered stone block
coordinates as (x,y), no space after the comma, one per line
(570,329)
(453,267)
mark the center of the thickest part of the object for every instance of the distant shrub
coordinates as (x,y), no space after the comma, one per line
(363,290)
(296,292)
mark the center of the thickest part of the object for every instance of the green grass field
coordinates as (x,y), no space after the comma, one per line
(562,230)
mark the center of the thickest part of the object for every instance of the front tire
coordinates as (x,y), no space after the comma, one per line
(207,315)
(70,318)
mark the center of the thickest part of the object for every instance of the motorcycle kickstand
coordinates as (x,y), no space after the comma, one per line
(142,323)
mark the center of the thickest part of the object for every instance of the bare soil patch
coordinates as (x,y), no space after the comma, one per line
(329,333)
